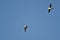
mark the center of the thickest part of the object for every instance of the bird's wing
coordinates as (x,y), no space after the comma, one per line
(50,5)
(25,29)
(49,10)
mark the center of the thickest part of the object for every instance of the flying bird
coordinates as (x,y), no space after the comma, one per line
(50,7)
(25,28)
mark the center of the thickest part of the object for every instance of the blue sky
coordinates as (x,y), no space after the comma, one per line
(14,14)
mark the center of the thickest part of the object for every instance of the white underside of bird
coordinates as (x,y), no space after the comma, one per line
(49,8)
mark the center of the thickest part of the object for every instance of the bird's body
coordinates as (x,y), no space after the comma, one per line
(25,28)
(50,7)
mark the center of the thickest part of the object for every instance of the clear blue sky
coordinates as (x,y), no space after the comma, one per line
(14,14)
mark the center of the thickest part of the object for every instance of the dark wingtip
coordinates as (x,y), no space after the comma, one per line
(24,30)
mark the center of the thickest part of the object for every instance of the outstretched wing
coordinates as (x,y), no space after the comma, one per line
(25,29)
(50,5)
(49,10)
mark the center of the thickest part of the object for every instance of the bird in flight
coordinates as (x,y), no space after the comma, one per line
(50,7)
(25,28)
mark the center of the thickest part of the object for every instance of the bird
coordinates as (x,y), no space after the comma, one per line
(25,28)
(50,7)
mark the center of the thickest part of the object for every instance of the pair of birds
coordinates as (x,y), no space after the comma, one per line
(49,9)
